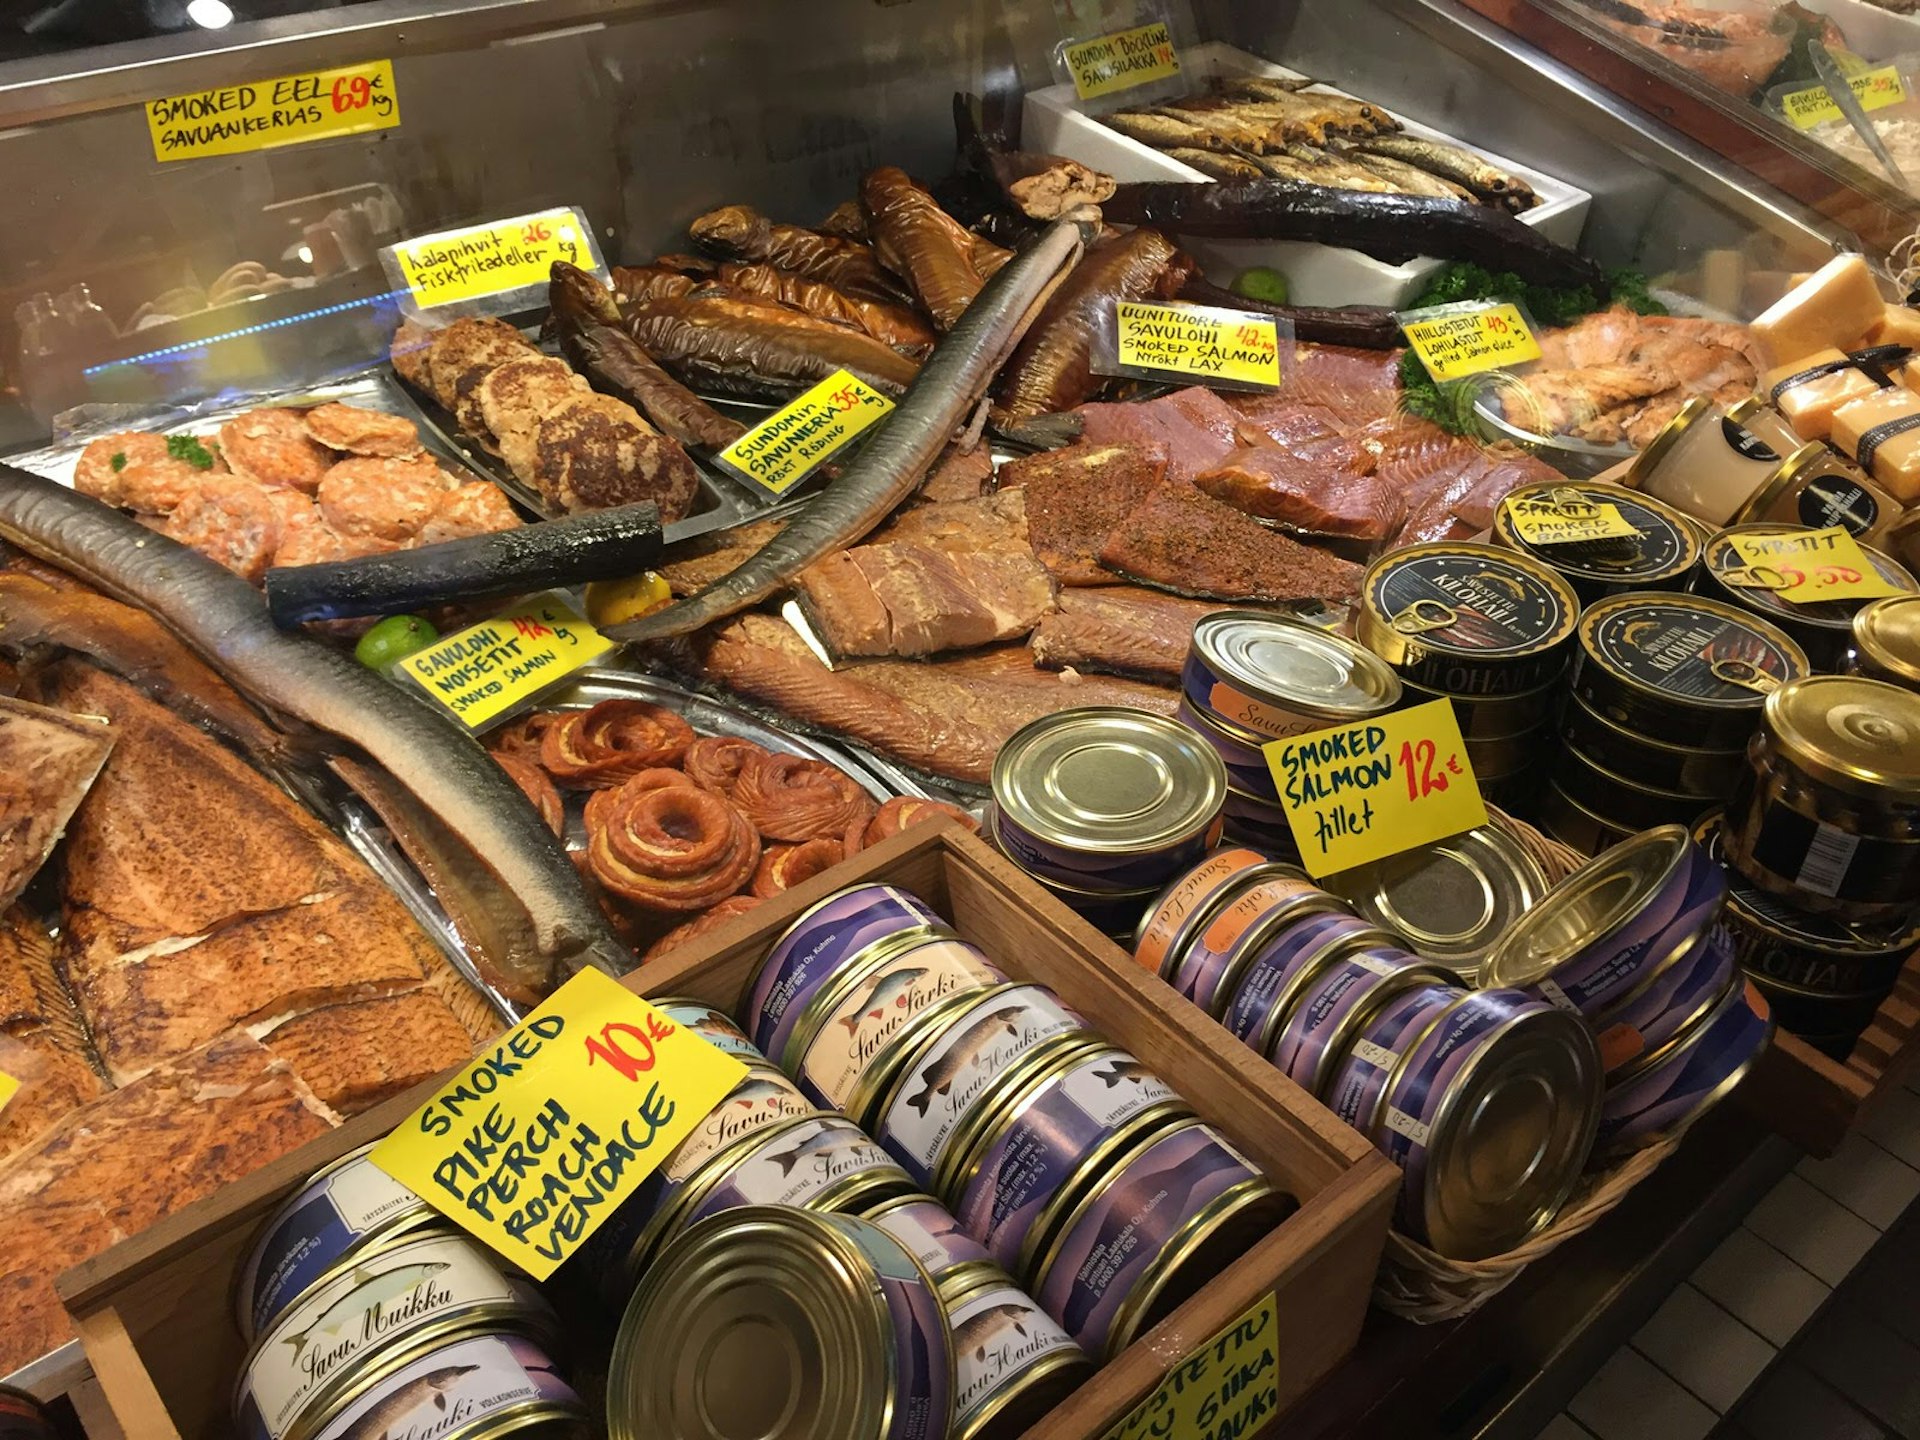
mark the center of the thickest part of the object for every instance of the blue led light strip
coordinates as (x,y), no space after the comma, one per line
(192,346)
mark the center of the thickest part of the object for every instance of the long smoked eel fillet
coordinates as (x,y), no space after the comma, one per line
(221,617)
(904,445)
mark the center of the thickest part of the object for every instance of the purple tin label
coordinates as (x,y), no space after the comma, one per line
(1101,870)
(1246,764)
(816,946)
(1213,957)
(999,1334)
(1431,1066)
(1361,1076)
(1257,822)
(1112,915)
(1672,1092)
(1611,968)
(1268,973)
(1680,997)
(943,1084)
(1344,988)
(1122,1231)
(455,1386)
(932,1235)
(332,1215)
(712,1025)
(1043,1148)
(923,1351)
(795,1167)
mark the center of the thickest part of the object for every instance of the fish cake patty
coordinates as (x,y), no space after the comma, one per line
(231,521)
(594,451)
(148,477)
(362,432)
(272,447)
(409,353)
(515,395)
(466,510)
(467,346)
(381,499)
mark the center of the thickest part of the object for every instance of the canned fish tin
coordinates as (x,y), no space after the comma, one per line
(1238,750)
(1707,465)
(392,1301)
(475,1389)
(1490,1116)
(1806,1012)
(1467,620)
(1614,925)
(815,947)
(1491,717)
(1659,556)
(944,1088)
(1625,803)
(1249,820)
(1668,1089)
(710,1023)
(1336,1002)
(1884,643)
(1675,1003)
(1272,980)
(1276,677)
(1048,1141)
(823,1163)
(1152,1232)
(328,1219)
(1816,953)
(1639,760)
(858,1029)
(1821,628)
(1573,824)
(1361,1072)
(1211,967)
(953,1259)
(1012,1363)
(1114,913)
(1681,665)
(1107,798)
(1448,900)
(1828,813)
(1187,902)
(613,1256)
(791,1323)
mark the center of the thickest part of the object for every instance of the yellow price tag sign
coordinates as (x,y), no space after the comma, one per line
(1874,89)
(265,114)
(9,1087)
(1358,793)
(537,1141)
(1563,518)
(1808,566)
(783,451)
(1458,341)
(1122,60)
(1198,341)
(1229,1386)
(490,259)
(487,668)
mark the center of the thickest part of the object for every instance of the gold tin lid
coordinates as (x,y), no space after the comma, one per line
(1887,634)
(1450,900)
(1648,460)
(758,1322)
(1687,650)
(1107,779)
(1596,900)
(1757,587)
(1667,545)
(1857,735)
(1294,666)
(1463,600)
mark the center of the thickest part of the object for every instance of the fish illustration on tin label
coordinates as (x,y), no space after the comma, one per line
(890,988)
(431,1388)
(963,1054)
(753,1104)
(1114,1088)
(370,1292)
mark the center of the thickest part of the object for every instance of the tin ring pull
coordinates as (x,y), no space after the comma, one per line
(1756,577)
(1745,674)
(1424,615)
(1568,501)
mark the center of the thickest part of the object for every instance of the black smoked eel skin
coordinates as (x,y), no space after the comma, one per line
(1364,327)
(1392,228)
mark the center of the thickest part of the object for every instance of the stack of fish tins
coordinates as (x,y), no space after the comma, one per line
(1102,805)
(367,1313)
(1039,1139)
(1486,629)
(1821,834)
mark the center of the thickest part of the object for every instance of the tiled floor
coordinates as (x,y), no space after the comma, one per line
(1803,1325)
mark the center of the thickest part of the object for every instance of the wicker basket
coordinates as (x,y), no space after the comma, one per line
(1419,1285)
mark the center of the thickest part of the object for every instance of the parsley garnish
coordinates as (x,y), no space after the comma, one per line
(118,460)
(185,447)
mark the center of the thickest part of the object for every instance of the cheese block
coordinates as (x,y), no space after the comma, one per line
(1899,325)
(1892,459)
(1835,307)
(1809,405)
(1909,374)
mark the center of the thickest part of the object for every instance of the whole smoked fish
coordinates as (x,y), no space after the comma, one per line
(739,232)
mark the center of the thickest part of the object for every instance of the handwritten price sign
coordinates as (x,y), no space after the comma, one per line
(1874,89)
(492,259)
(290,110)
(1454,341)
(783,451)
(1809,566)
(1122,60)
(1358,793)
(533,1145)
(1197,341)
(1229,1386)
(1563,519)
(482,671)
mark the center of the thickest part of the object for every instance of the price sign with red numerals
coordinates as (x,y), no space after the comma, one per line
(511,258)
(1358,793)
(266,114)
(793,442)
(1232,348)
(1808,566)
(532,1145)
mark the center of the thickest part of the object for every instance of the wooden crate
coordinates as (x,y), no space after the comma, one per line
(153,1312)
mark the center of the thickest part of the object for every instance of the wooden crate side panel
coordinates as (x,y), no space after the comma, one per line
(123,1377)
